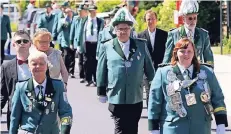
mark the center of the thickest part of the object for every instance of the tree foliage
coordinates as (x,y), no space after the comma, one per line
(164,15)
(209,19)
(106,5)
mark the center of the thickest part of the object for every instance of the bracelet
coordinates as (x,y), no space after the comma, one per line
(65,83)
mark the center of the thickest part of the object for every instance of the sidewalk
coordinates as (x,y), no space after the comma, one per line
(222,70)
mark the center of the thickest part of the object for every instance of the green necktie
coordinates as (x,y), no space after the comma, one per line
(92,33)
(40,93)
(187,74)
(190,35)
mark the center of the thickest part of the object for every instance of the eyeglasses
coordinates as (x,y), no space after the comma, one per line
(192,18)
(24,41)
(122,29)
(43,42)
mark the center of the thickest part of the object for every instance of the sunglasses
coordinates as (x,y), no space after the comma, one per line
(24,41)
(192,18)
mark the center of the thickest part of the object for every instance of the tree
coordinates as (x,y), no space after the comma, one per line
(209,19)
(164,15)
(106,5)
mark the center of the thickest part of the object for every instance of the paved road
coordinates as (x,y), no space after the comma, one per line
(92,117)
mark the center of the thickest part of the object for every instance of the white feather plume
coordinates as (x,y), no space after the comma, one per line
(189,6)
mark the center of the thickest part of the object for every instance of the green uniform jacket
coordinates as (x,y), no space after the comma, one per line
(201,41)
(197,121)
(123,84)
(64,33)
(74,31)
(105,35)
(50,23)
(81,33)
(5,27)
(26,115)
(59,16)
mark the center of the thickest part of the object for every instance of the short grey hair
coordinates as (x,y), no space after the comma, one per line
(35,54)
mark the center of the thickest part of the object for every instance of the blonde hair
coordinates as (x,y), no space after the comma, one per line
(40,32)
(150,12)
(35,54)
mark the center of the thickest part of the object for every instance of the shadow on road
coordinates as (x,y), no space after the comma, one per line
(4,132)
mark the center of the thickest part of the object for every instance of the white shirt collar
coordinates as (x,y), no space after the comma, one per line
(89,18)
(187,30)
(182,69)
(151,33)
(125,43)
(43,84)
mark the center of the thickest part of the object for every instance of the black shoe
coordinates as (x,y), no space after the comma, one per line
(82,81)
(89,83)
(72,76)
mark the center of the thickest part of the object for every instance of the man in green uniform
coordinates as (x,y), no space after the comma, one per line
(5,28)
(121,65)
(200,37)
(74,35)
(38,100)
(64,27)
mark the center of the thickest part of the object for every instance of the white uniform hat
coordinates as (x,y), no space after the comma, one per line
(123,16)
(188,7)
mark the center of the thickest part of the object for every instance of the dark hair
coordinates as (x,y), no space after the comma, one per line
(183,44)
(1,6)
(21,32)
(151,12)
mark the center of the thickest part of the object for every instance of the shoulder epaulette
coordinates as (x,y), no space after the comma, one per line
(208,65)
(141,39)
(163,64)
(204,30)
(24,80)
(55,79)
(105,41)
(172,29)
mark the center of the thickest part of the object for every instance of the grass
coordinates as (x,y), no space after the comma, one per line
(14,26)
(217,50)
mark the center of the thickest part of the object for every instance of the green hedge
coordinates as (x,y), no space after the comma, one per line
(227,44)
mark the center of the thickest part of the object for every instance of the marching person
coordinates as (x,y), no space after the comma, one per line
(38,100)
(5,30)
(60,17)
(156,39)
(185,94)
(121,66)
(200,37)
(74,35)
(87,43)
(15,70)
(56,66)
(48,20)
(64,27)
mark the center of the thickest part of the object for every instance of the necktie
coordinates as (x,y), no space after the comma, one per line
(92,33)
(40,93)
(190,35)
(20,62)
(187,74)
